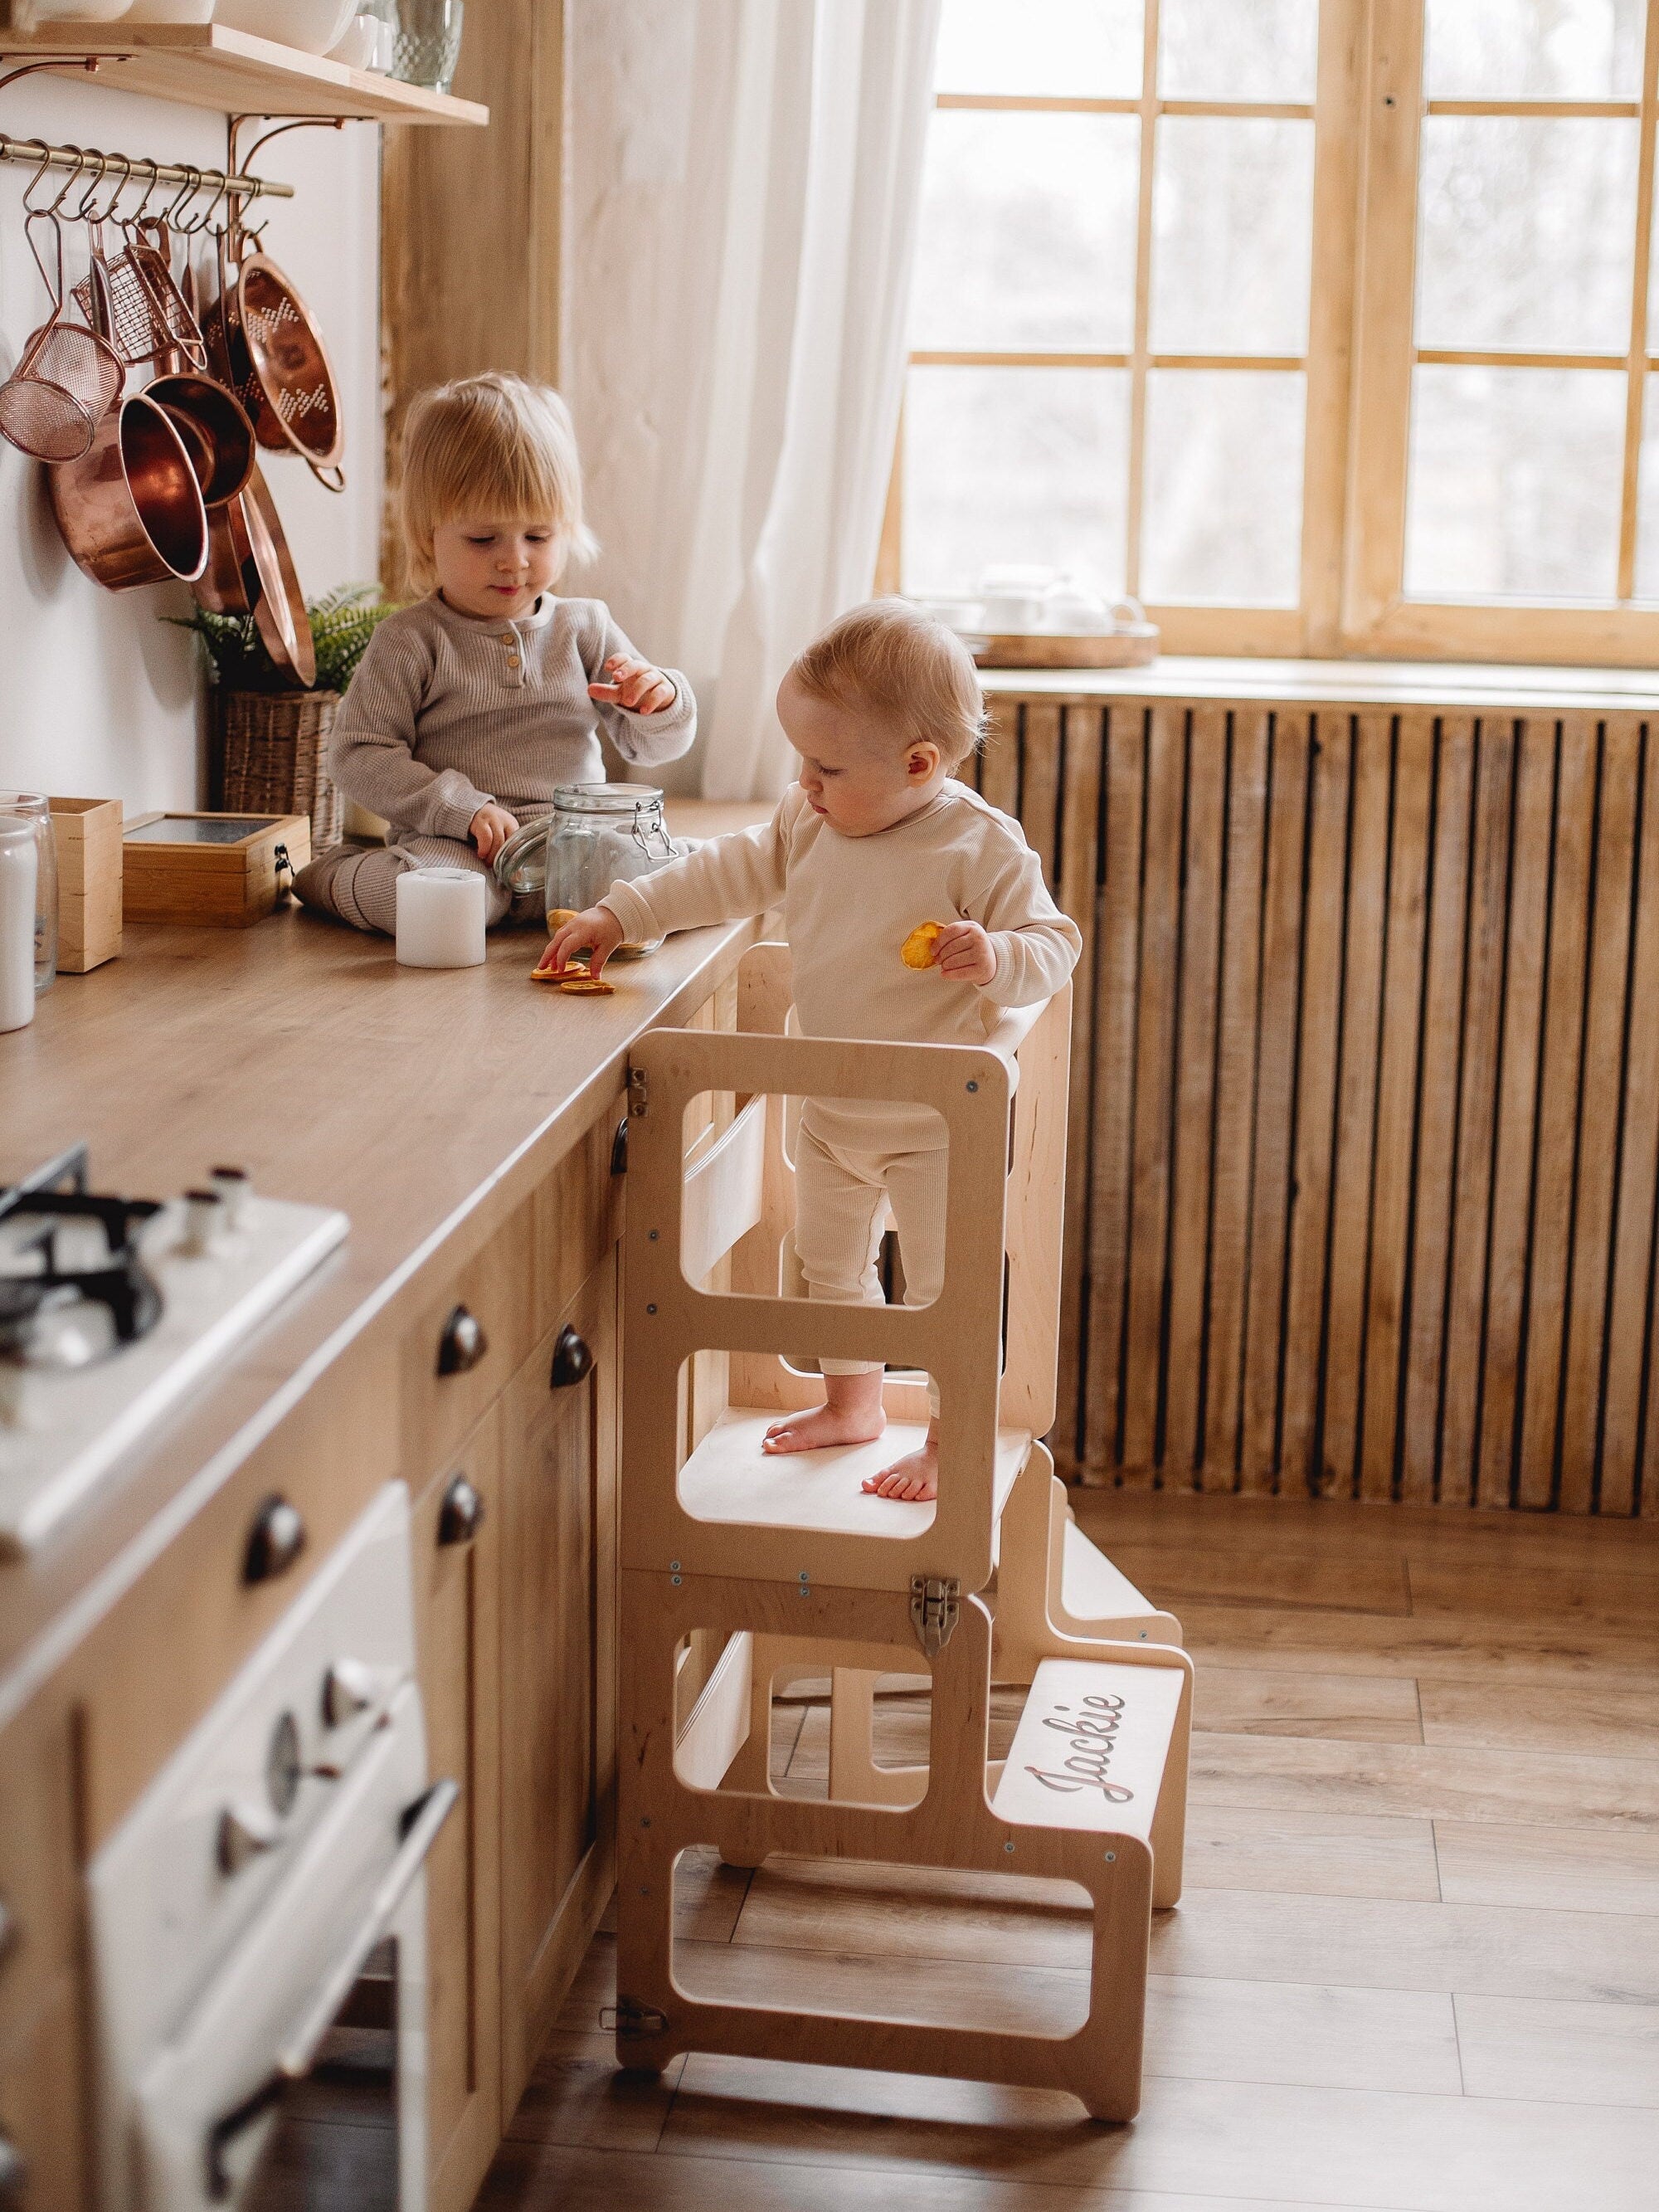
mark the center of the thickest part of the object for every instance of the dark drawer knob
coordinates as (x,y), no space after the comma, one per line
(13,2172)
(461,1515)
(573,1359)
(619,1148)
(275,1541)
(463,1343)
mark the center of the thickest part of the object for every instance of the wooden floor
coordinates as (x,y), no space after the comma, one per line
(1416,1968)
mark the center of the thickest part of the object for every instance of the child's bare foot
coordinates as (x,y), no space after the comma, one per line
(914,1476)
(823,1424)
(851,1413)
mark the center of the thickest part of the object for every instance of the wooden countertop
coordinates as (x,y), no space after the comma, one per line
(425,1103)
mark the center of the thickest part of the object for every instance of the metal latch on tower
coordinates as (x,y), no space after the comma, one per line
(629,2017)
(935,1608)
(639,1091)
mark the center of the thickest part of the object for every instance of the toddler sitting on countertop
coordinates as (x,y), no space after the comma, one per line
(472,705)
(876,839)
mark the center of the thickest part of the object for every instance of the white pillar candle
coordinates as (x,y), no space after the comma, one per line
(440,918)
(18,864)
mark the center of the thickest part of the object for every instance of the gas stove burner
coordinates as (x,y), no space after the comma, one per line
(73,1287)
(113,1310)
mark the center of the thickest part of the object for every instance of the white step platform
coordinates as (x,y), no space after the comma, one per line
(1091,1748)
(729,1478)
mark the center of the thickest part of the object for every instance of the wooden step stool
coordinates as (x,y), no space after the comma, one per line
(740,1572)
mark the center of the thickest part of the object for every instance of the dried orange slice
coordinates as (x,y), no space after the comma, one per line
(917,949)
(560,915)
(584,987)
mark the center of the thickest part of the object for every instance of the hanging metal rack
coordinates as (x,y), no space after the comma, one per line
(227,182)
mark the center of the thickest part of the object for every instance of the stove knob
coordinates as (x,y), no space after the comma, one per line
(351,1688)
(244,1830)
(275,1541)
(204,1217)
(235,1188)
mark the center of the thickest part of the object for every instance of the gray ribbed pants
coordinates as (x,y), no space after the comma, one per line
(358,883)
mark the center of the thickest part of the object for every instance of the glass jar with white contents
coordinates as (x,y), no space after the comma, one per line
(596,834)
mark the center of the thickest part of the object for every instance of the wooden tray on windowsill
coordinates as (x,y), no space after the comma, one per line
(1132,647)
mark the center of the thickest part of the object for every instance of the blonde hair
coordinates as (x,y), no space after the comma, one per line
(494,446)
(890,660)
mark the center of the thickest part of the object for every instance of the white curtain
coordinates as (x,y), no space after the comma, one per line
(743,184)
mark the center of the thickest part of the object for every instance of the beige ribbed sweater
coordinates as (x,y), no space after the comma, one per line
(447,713)
(849,905)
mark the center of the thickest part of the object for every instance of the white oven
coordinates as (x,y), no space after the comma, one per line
(258,1921)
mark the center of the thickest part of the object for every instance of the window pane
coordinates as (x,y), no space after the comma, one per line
(1513,484)
(1526,232)
(1218,50)
(1232,213)
(1089,48)
(1027,232)
(1647,498)
(1223,486)
(1014,465)
(1533,50)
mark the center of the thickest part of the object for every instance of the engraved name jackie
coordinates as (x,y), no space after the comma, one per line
(1093,1736)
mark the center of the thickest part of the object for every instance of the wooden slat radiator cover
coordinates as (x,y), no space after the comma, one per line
(1365,1107)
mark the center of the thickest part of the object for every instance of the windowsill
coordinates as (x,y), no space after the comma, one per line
(1340,682)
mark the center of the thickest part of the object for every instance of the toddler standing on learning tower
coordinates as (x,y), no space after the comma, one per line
(472,705)
(876,839)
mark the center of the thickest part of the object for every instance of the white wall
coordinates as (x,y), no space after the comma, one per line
(98,698)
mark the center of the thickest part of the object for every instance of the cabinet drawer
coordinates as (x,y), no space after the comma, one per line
(38,1887)
(467,1340)
(43,2146)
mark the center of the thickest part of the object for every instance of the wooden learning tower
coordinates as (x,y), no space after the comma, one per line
(741,1574)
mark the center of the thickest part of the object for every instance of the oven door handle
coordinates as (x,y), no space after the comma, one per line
(422,1822)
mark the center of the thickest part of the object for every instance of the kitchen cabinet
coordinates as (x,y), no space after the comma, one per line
(43,2136)
(558,1597)
(457,1546)
(504,1196)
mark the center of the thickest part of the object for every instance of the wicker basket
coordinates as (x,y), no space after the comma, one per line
(268,753)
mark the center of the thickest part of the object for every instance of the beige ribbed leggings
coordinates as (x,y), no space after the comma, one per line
(841,1194)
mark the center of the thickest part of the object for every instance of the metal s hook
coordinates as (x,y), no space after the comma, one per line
(203,221)
(186,192)
(82,211)
(133,221)
(107,213)
(82,156)
(30,207)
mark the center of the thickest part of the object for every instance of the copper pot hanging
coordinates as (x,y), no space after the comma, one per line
(130,508)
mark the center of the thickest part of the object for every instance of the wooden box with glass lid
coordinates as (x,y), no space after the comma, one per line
(1322,326)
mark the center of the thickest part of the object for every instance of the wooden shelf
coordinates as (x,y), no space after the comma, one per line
(210,65)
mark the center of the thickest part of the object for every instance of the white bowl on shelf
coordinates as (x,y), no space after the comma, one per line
(170,11)
(368,44)
(312,25)
(29,14)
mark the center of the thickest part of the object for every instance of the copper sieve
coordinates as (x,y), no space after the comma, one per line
(67,379)
(270,353)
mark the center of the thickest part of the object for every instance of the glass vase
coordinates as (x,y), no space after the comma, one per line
(429,43)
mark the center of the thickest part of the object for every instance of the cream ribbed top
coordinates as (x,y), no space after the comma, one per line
(449,712)
(849,905)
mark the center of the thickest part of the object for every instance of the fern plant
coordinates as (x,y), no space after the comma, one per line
(342,623)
